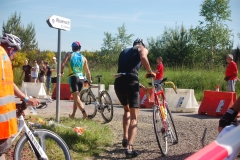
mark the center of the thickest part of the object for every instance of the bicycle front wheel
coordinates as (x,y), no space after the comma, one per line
(172,133)
(106,103)
(159,130)
(88,99)
(52,144)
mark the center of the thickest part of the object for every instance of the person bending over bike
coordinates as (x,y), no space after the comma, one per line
(76,63)
(230,116)
(9,46)
(127,90)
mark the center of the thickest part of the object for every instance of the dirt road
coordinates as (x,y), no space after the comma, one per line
(194,132)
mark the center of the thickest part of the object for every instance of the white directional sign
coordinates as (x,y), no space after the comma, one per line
(59,22)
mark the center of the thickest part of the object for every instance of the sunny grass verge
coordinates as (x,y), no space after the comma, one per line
(198,79)
(95,138)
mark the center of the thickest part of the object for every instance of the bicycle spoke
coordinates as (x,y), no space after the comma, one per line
(171,127)
(107,105)
(161,134)
(88,101)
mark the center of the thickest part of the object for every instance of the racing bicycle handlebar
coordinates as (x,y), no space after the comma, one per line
(173,85)
(164,83)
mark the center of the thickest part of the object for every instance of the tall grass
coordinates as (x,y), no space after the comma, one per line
(198,79)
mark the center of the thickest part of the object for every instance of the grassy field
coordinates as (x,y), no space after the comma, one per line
(95,138)
(197,79)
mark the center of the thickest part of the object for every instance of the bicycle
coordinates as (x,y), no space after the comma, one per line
(164,126)
(42,105)
(37,143)
(101,103)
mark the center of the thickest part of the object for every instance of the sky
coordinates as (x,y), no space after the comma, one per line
(91,18)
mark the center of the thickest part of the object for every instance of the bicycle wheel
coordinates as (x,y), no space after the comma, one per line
(53,145)
(172,133)
(159,130)
(106,103)
(87,99)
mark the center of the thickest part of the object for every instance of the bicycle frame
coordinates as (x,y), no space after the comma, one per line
(39,152)
(162,107)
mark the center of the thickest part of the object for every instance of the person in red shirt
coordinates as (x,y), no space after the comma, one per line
(159,71)
(231,73)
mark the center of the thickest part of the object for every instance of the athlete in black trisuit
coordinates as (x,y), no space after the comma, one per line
(127,90)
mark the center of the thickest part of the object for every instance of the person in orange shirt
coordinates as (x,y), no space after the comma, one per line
(9,45)
(231,73)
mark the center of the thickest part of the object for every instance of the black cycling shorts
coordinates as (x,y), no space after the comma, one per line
(127,90)
(75,83)
(54,80)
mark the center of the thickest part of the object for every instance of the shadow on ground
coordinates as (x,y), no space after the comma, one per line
(197,116)
(116,152)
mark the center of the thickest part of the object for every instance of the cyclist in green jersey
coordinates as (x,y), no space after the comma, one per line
(76,63)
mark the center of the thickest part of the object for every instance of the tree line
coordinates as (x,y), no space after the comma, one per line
(202,46)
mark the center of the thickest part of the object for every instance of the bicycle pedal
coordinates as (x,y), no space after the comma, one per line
(175,142)
(100,109)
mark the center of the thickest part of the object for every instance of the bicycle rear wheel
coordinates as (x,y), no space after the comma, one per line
(52,144)
(87,99)
(172,133)
(159,130)
(106,103)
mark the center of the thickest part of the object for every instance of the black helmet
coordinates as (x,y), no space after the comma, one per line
(138,40)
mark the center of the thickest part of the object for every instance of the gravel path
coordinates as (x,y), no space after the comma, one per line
(194,132)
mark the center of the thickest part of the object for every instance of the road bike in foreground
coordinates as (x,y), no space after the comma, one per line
(40,144)
(164,127)
(101,103)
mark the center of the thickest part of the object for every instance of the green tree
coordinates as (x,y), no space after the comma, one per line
(114,45)
(213,34)
(174,46)
(27,35)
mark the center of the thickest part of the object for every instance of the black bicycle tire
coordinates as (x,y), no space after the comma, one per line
(93,114)
(173,125)
(155,108)
(107,120)
(43,133)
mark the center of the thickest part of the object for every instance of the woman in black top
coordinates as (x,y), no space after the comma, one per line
(26,69)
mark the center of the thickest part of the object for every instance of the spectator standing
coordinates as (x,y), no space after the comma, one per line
(26,70)
(159,71)
(41,76)
(54,72)
(231,73)
(34,72)
(48,74)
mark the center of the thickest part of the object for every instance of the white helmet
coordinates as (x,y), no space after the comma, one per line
(11,40)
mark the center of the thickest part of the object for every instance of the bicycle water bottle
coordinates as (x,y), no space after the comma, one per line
(217,88)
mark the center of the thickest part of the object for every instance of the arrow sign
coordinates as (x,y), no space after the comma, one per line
(59,22)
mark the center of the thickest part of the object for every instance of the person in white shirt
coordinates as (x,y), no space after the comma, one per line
(34,72)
